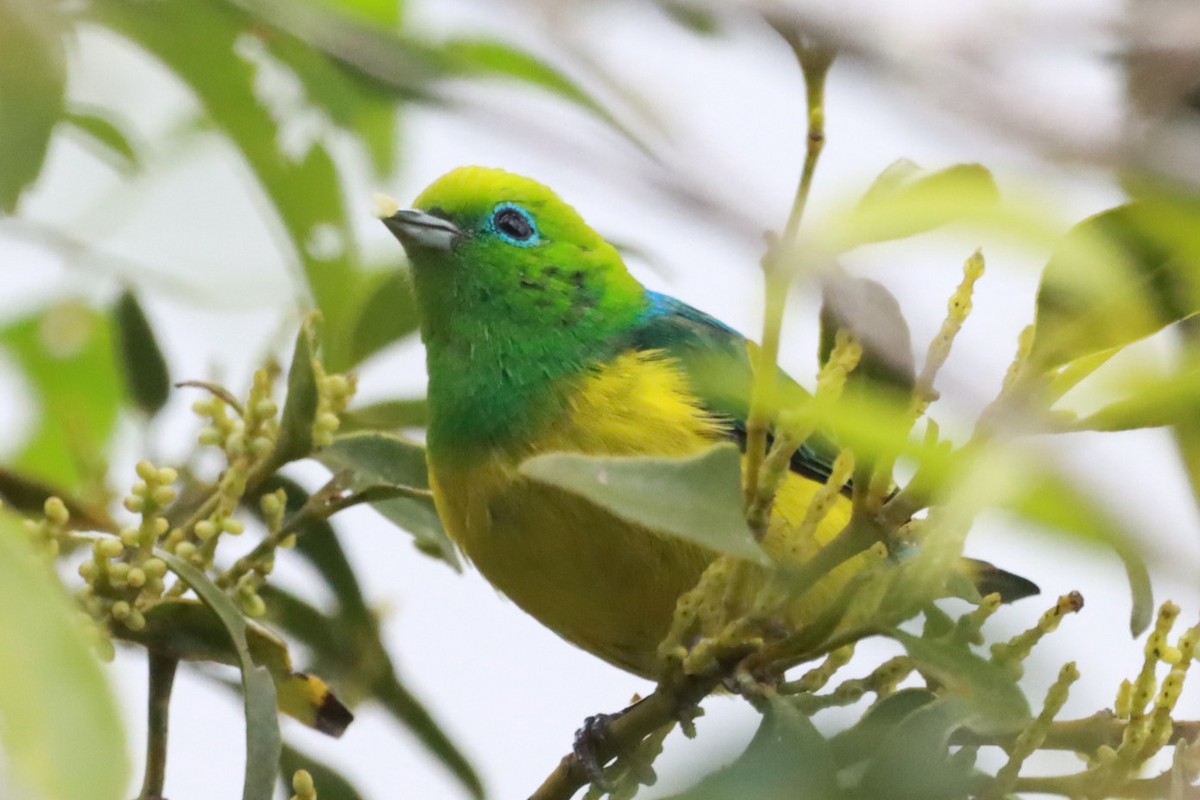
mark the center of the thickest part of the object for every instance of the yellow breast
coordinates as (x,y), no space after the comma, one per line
(598,581)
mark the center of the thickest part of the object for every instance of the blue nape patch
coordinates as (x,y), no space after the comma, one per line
(663,305)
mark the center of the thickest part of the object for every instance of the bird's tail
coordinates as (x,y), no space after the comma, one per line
(989,578)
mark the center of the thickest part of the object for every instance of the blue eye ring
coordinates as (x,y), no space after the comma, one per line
(514,225)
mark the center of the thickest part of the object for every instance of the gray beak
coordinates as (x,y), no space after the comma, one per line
(424,231)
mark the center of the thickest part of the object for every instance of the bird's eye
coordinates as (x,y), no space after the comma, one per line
(514,225)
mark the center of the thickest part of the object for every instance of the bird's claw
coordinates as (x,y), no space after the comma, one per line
(589,741)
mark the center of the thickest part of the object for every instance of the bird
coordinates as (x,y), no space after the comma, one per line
(538,339)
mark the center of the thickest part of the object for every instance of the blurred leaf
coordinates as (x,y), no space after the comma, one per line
(703,495)
(1118,277)
(263,743)
(387,415)
(1150,402)
(354,652)
(994,702)
(375,458)
(907,200)
(205,45)
(695,18)
(146,373)
(32,87)
(29,495)
(387,311)
(331,784)
(864,739)
(300,408)
(871,314)
(103,132)
(913,761)
(187,630)
(1055,502)
(59,726)
(787,759)
(489,58)
(66,355)
(354,104)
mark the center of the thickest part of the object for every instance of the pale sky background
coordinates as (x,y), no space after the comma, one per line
(509,692)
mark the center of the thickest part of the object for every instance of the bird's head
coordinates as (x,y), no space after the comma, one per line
(486,241)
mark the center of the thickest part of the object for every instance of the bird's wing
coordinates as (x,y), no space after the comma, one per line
(717,361)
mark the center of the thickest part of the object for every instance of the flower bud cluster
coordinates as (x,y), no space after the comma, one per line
(49,533)
(334,393)
(123,576)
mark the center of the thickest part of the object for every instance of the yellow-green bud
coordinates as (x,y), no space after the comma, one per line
(326,422)
(129,536)
(147,471)
(160,526)
(120,610)
(117,573)
(134,620)
(108,548)
(185,550)
(271,504)
(56,511)
(88,571)
(235,445)
(253,605)
(266,408)
(302,783)
(205,529)
(164,496)
(261,446)
(135,504)
(209,436)
(136,577)
(155,567)
(233,526)
(167,475)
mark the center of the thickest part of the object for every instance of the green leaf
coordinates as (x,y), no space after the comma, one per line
(207,45)
(300,408)
(263,742)
(145,368)
(330,784)
(1056,503)
(32,88)
(387,415)
(912,761)
(865,738)
(697,498)
(1116,278)
(387,312)
(66,355)
(375,458)
(994,704)
(907,200)
(59,727)
(787,758)
(98,129)
(186,630)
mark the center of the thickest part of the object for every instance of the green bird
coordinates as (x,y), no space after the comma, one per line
(539,340)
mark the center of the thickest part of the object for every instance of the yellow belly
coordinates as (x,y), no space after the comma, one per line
(598,581)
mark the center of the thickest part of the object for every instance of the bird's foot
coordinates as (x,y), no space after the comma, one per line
(590,741)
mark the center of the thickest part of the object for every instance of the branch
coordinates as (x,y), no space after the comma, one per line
(162,679)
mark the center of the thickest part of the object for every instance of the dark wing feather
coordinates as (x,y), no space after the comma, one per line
(717,361)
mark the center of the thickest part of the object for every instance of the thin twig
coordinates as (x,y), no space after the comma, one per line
(162,680)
